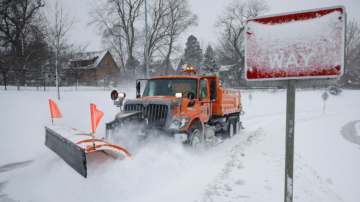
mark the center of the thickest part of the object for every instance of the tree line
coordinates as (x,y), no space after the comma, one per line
(35,36)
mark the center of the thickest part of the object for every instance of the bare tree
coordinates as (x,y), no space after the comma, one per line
(352,42)
(116,21)
(226,52)
(178,21)
(20,31)
(158,11)
(116,45)
(231,25)
(352,54)
(60,21)
(74,63)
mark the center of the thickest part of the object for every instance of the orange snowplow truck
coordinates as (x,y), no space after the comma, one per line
(192,108)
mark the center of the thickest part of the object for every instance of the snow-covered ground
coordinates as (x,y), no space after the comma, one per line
(248,167)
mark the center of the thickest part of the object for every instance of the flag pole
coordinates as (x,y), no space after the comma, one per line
(93,140)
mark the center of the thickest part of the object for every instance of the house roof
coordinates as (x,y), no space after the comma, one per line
(224,68)
(175,63)
(154,65)
(98,55)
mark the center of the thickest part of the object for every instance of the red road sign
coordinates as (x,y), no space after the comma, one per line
(300,45)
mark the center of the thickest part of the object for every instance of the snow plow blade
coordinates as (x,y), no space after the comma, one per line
(73,146)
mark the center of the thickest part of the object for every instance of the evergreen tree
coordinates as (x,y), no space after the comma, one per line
(193,53)
(210,66)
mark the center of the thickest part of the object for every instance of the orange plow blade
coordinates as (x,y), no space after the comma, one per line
(73,146)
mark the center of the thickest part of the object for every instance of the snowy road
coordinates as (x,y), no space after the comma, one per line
(248,167)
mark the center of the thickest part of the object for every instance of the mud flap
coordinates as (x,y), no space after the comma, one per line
(71,153)
(241,126)
(73,146)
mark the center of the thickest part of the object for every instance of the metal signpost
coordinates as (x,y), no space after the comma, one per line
(292,47)
(250,98)
(324,96)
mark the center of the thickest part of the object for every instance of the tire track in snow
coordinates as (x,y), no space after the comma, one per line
(9,167)
(309,185)
(219,187)
(350,133)
(12,166)
(3,196)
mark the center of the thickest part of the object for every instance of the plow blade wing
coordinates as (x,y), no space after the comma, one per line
(73,146)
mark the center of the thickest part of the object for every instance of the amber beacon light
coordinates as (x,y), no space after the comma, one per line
(189,70)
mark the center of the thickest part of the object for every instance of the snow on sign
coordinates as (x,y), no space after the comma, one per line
(299,45)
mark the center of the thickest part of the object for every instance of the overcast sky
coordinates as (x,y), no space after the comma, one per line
(207,11)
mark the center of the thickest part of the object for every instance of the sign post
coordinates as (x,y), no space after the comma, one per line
(289,147)
(294,46)
(250,98)
(324,96)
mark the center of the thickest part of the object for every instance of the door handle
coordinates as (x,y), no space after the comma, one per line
(202,103)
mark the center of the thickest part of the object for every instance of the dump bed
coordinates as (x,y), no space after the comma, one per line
(227,102)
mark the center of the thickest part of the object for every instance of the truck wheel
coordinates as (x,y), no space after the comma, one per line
(230,131)
(238,127)
(195,139)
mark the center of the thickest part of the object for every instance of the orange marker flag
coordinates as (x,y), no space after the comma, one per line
(96,115)
(54,110)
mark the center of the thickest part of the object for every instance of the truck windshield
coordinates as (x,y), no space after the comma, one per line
(169,87)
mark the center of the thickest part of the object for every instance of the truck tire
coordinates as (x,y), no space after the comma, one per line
(195,138)
(237,126)
(230,131)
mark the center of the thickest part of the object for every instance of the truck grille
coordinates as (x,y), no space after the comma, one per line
(156,114)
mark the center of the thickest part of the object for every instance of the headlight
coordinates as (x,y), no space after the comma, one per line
(122,95)
(180,123)
(178,95)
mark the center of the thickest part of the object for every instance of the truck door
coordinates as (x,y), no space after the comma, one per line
(204,103)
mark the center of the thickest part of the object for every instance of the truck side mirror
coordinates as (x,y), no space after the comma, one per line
(191,96)
(138,90)
(213,90)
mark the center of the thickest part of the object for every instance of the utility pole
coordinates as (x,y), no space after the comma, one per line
(147,45)
(56,71)
(4,78)
(95,77)
(76,82)
(4,72)
(44,80)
